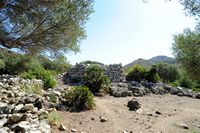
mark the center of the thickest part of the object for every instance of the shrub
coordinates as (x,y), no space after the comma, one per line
(95,79)
(152,75)
(167,73)
(80,98)
(32,89)
(136,73)
(186,82)
(40,73)
(53,117)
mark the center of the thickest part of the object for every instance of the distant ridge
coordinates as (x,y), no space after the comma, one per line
(154,60)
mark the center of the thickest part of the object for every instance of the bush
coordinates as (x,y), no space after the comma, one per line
(53,118)
(80,98)
(136,73)
(152,75)
(167,73)
(40,73)
(95,79)
(186,82)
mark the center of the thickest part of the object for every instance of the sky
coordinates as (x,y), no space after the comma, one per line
(120,31)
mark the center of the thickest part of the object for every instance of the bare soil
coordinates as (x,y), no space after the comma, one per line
(173,110)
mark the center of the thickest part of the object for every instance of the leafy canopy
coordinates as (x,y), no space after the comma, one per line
(186,46)
(39,26)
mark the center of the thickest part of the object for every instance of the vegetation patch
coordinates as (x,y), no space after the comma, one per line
(95,79)
(80,98)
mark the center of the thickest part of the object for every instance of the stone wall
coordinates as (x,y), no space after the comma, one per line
(115,73)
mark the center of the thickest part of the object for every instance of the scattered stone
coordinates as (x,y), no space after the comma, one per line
(92,118)
(183,125)
(133,104)
(103,119)
(74,130)
(139,111)
(62,127)
(158,113)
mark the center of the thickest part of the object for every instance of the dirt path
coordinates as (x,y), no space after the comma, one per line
(173,110)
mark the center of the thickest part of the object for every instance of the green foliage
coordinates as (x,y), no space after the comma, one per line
(53,98)
(54,117)
(167,72)
(186,48)
(32,89)
(40,26)
(80,98)
(152,75)
(196,89)
(136,73)
(59,64)
(2,64)
(175,83)
(95,79)
(192,7)
(186,82)
(40,73)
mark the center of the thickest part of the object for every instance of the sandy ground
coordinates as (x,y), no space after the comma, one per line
(173,110)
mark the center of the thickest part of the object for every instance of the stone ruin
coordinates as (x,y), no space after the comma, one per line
(114,72)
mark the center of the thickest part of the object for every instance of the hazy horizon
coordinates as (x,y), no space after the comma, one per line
(122,31)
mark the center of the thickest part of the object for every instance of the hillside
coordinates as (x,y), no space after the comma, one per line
(154,60)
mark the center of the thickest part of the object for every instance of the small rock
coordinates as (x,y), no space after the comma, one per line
(149,114)
(92,118)
(133,104)
(38,103)
(139,111)
(14,119)
(103,119)
(18,108)
(62,127)
(74,130)
(28,107)
(183,125)
(125,132)
(158,113)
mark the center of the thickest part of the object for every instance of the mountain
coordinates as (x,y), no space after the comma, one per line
(155,60)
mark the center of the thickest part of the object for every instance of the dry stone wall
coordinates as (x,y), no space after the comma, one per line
(115,73)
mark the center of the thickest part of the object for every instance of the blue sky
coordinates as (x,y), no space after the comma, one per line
(120,31)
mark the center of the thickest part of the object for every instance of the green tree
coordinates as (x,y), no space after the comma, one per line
(192,7)
(167,72)
(39,26)
(186,48)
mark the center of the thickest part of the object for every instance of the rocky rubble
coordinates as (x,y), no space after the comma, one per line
(145,88)
(20,111)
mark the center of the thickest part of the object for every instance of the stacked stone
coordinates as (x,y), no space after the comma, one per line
(75,74)
(114,72)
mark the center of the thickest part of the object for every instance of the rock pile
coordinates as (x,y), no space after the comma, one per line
(114,72)
(144,88)
(19,111)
